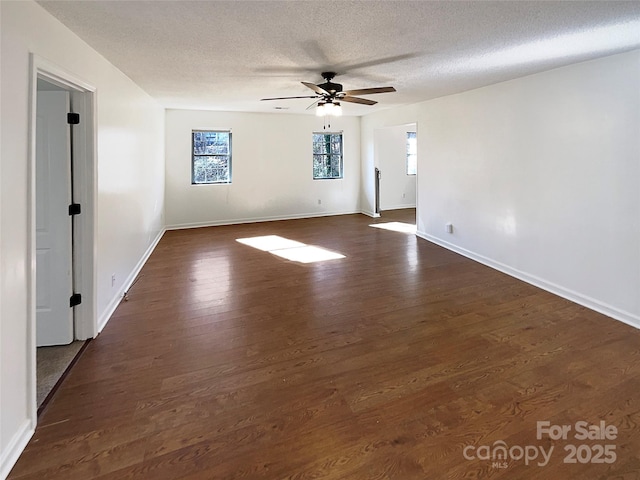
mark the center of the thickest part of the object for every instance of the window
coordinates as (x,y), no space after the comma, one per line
(327,155)
(211,159)
(412,153)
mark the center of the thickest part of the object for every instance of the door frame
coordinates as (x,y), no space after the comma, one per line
(376,158)
(83,101)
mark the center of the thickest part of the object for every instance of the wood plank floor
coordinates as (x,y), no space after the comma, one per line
(228,362)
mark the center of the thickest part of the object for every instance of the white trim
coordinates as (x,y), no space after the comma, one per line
(115,301)
(584,300)
(58,76)
(257,220)
(15,447)
(397,207)
(370,214)
(32,407)
(42,68)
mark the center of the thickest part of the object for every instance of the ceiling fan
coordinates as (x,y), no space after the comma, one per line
(329,93)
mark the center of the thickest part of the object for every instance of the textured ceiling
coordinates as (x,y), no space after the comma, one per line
(226,55)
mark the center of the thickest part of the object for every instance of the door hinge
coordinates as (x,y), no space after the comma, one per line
(75,209)
(75,299)
(73,118)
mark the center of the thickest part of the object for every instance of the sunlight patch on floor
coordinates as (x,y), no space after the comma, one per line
(290,249)
(307,254)
(396,227)
(269,243)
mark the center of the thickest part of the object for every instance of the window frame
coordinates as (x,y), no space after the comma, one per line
(328,155)
(409,154)
(194,156)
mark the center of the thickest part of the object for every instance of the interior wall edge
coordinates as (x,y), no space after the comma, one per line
(119,295)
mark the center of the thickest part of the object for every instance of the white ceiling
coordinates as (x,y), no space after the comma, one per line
(227,55)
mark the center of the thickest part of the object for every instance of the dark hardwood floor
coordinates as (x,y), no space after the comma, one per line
(228,362)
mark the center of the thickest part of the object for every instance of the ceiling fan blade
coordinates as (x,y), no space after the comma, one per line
(313,104)
(315,88)
(369,91)
(286,98)
(363,101)
(377,61)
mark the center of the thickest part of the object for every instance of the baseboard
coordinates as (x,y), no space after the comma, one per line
(584,300)
(398,207)
(14,449)
(370,214)
(115,301)
(220,223)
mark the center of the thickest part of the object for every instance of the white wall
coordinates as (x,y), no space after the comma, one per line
(130,190)
(272,169)
(397,189)
(539,177)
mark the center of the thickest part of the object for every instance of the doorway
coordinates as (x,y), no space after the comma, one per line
(62,181)
(395,157)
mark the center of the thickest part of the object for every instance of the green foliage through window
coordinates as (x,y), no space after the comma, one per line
(327,155)
(211,159)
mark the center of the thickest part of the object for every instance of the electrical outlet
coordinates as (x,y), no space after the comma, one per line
(404,195)
(113,279)
(319,202)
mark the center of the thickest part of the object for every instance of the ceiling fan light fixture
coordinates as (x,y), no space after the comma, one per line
(329,108)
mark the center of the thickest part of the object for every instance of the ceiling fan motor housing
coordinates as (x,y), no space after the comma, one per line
(329,86)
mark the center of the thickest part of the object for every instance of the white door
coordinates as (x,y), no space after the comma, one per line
(54,316)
